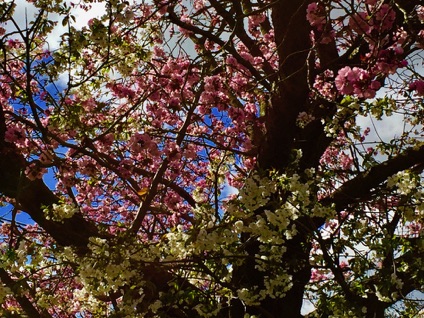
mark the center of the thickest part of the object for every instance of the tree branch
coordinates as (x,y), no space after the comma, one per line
(33,196)
(359,188)
(224,45)
(24,302)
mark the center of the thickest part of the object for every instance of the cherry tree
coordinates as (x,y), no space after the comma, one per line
(205,158)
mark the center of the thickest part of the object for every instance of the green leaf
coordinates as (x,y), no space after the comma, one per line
(65,20)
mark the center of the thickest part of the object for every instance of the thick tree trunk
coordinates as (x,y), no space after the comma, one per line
(290,95)
(289,98)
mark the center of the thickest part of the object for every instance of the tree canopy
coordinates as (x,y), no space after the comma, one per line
(205,158)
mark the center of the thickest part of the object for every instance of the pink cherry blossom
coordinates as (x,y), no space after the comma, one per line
(316,15)
(356,81)
(418,87)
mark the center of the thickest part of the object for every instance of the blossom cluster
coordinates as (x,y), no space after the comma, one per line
(404,181)
(356,81)
(418,87)
(372,20)
(59,212)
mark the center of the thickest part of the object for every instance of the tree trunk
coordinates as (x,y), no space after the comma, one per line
(288,100)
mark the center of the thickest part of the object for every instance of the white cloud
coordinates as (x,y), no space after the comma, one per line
(385,129)
(26,12)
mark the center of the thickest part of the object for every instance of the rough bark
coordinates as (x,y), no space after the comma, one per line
(289,98)
(290,92)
